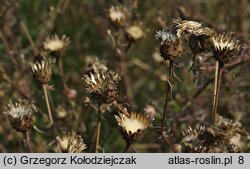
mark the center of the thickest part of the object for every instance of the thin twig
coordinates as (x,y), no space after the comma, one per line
(230,65)
(124,72)
(50,22)
(9,50)
(168,142)
(26,32)
(165,138)
(63,78)
(13,83)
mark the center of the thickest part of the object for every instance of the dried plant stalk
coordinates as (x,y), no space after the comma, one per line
(48,104)
(129,148)
(98,130)
(26,141)
(218,75)
(168,95)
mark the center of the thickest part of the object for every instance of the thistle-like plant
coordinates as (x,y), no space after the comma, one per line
(170,49)
(42,70)
(102,86)
(21,115)
(132,127)
(70,142)
(225,50)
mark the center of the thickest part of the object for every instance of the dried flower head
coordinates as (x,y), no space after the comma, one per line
(61,112)
(225,48)
(204,31)
(42,69)
(135,32)
(21,114)
(170,45)
(117,15)
(94,66)
(54,43)
(70,142)
(186,26)
(103,86)
(201,39)
(134,126)
(191,139)
(225,136)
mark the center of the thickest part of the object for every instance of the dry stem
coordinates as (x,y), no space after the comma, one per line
(218,75)
(26,32)
(120,109)
(26,140)
(47,103)
(168,96)
(98,130)
(168,142)
(129,148)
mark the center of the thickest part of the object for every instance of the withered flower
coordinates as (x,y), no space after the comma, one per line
(56,44)
(117,15)
(135,32)
(21,114)
(225,48)
(186,26)
(223,137)
(70,142)
(134,126)
(103,86)
(200,40)
(204,31)
(191,139)
(42,69)
(170,45)
(94,66)
(61,112)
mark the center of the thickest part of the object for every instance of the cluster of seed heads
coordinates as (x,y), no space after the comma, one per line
(224,46)
(102,86)
(21,114)
(225,136)
(119,17)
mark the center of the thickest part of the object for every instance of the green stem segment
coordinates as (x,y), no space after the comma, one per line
(168,96)
(218,75)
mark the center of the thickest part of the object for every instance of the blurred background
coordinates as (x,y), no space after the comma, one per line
(25,24)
